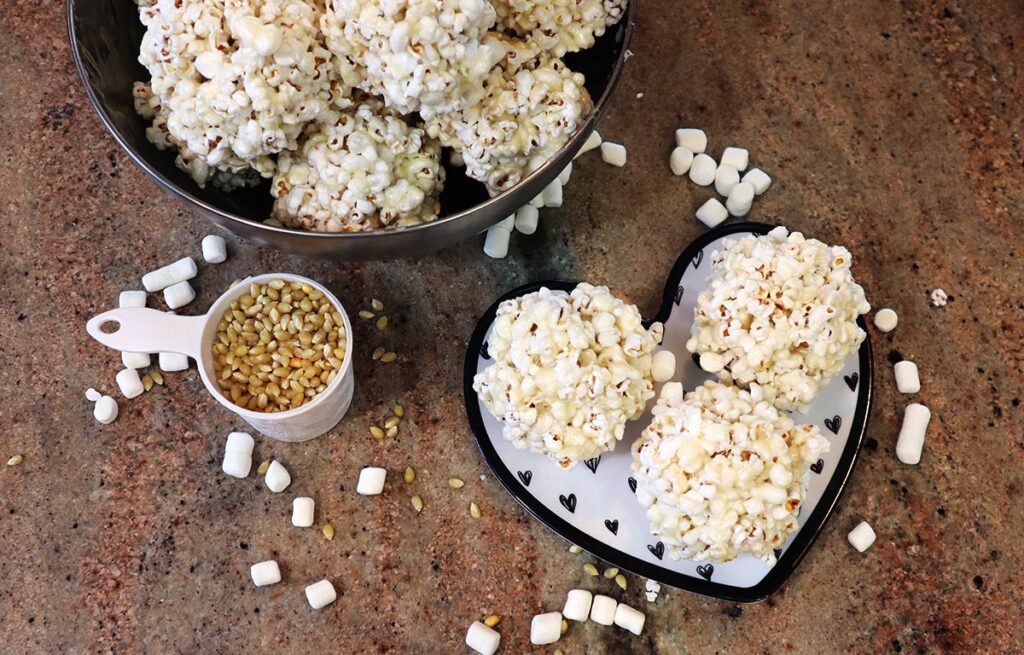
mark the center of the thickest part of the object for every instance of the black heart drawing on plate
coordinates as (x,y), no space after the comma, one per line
(658,550)
(679,295)
(525,477)
(613,526)
(632,484)
(705,571)
(698,259)
(483,351)
(834,423)
(592,463)
(851,380)
(568,502)
(818,466)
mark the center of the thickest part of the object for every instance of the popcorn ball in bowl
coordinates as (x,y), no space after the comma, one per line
(559,26)
(721,474)
(569,371)
(779,316)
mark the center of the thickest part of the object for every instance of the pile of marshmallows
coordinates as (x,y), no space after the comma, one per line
(546,628)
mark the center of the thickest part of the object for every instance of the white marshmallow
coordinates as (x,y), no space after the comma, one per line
(277,477)
(241,442)
(566,173)
(680,160)
(161,278)
(553,194)
(702,170)
(508,223)
(907,380)
(215,250)
(861,537)
(712,362)
(129,382)
(132,299)
(546,628)
(302,512)
(171,362)
(237,464)
(712,213)
(663,366)
(593,141)
(738,158)
(758,179)
(603,610)
(179,294)
(321,594)
(538,200)
(726,177)
(577,605)
(693,139)
(613,153)
(886,320)
(135,360)
(527,219)
(92,395)
(371,481)
(482,639)
(265,573)
(496,242)
(912,433)
(629,619)
(740,199)
(105,410)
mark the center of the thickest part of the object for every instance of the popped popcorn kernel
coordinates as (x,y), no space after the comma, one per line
(559,26)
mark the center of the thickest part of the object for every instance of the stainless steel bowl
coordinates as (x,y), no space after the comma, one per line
(105,38)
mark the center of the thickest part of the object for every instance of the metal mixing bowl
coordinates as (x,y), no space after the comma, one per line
(105,38)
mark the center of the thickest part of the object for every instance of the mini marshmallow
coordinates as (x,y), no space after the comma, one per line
(577,605)
(215,250)
(527,219)
(508,223)
(371,481)
(482,639)
(553,194)
(912,433)
(603,610)
(302,512)
(663,366)
(886,320)
(92,395)
(593,141)
(265,573)
(179,295)
(135,360)
(105,410)
(129,382)
(629,619)
(170,362)
(680,160)
(693,139)
(277,477)
(237,464)
(613,153)
(496,242)
(712,362)
(546,628)
(538,200)
(132,299)
(758,179)
(740,199)
(321,594)
(161,278)
(566,173)
(702,170)
(726,177)
(712,213)
(241,442)
(861,537)
(907,380)
(738,158)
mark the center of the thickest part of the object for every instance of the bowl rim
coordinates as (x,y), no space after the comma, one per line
(573,144)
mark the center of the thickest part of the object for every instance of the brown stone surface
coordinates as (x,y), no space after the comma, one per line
(892,129)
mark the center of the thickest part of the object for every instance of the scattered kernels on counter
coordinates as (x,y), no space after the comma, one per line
(321,594)
(553,194)
(237,464)
(129,382)
(302,512)
(482,639)
(702,170)
(726,177)
(593,141)
(496,242)
(179,295)
(912,433)
(907,379)
(740,199)
(577,605)
(241,442)
(170,362)
(566,173)
(693,139)
(680,160)
(738,158)
(663,366)
(712,362)
(629,619)
(371,481)
(277,477)
(265,573)
(712,213)
(602,611)
(135,360)
(215,250)
(92,395)
(105,410)
(132,299)
(861,537)
(546,628)
(527,219)
(886,319)
(758,179)
(613,153)
(181,270)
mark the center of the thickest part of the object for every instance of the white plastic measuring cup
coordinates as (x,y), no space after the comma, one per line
(142,330)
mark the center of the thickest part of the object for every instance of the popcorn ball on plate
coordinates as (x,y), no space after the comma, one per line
(721,473)
(568,371)
(778,316)
(369,170)
(559,26)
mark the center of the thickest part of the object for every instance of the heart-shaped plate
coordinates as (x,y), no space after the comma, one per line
(594,505)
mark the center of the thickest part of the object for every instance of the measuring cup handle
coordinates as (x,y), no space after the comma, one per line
(143,330)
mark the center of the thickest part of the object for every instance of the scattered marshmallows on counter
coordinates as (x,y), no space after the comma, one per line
(238,455)
(692,139)
(135,360)
(277,477)
(129,382)
(371,481)
(886,320)
(302,512)
(566,173)
(738,158)
(712,213)
(629,619)
(527,218)
(496,242)
(552,194)
(593,141)
(910,443)
(740,199)
(215,250)
(265,573)
(680,160)
(726,177)
(181,270)
(321,594)
(757,179)
(577,605)
(482,639)
(907,379)
(602,610)
(179,294)
(861,537)
(613,153)
(105,410)
(546,628)
(702,170)
(131,299)
(171,362)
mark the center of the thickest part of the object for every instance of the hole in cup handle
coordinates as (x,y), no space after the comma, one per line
(144,330)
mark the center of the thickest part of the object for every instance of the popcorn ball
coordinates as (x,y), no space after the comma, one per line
(721,473)
(370,170)
(780,313)
(568,371)
(559,26)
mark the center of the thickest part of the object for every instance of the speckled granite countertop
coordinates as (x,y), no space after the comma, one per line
(888,128)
